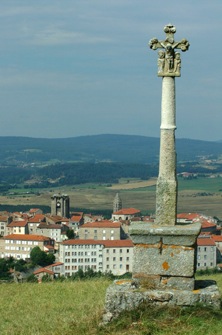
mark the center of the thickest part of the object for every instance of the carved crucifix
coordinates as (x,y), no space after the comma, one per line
(169,62)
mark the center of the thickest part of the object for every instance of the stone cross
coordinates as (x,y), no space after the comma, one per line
(169,64)
(164,253)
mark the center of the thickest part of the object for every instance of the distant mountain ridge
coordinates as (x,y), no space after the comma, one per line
(99,148)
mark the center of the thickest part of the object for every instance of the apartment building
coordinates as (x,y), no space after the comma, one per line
(19,246)
(206,253)
(100,255)
(118,256)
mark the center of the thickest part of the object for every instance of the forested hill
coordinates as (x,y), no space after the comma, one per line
(99,148)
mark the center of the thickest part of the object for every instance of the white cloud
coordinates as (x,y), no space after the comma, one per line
(56,36)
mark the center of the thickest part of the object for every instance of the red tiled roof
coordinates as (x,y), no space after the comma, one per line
(207,224)
(205,241)
(118,243)
(76,218)
(127,211)
(37,218)
(3,218)
(22,223)
(42,270)
(101,224)
(106,243)
(26,237)
(217,238)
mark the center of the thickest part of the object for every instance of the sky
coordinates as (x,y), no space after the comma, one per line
(80,67)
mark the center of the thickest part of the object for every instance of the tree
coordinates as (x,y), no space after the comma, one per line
(20,265)
(39,257)
(4,269)
(50,258)
(70,234)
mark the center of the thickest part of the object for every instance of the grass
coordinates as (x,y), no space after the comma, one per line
(52,308)
(76,308)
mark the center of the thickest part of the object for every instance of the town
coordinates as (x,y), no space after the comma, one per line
(83,241)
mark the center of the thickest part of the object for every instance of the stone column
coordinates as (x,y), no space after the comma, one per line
(166,191)
(164,253)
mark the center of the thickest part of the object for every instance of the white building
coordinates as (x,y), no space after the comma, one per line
(100,255)
(19,246)
(125,214)
(206,253)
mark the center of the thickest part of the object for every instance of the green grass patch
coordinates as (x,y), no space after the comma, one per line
(76,308)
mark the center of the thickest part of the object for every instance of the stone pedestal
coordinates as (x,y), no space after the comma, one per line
(163,271)
(164,255)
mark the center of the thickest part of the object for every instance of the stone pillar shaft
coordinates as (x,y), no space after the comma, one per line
(166,192)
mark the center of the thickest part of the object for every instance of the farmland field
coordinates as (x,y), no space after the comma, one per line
(197,195)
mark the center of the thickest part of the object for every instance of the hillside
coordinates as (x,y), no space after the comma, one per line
(98,148)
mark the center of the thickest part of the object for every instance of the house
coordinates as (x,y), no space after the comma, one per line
(34,222)
(100,255)
(39,273)
(17,227)
(125,214)
(76,221)
(206,253)
(53,231)
(19,246)
(57,268)
(101,230)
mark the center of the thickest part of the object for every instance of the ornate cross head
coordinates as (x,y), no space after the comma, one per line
(169,62)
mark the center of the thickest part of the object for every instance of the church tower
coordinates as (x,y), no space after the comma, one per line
(60,205)
(117,203)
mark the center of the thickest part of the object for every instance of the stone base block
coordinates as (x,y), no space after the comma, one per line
(125,295)
(163,282)
(155,259)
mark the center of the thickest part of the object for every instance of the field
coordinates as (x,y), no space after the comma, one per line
(197,195)
(76,308)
